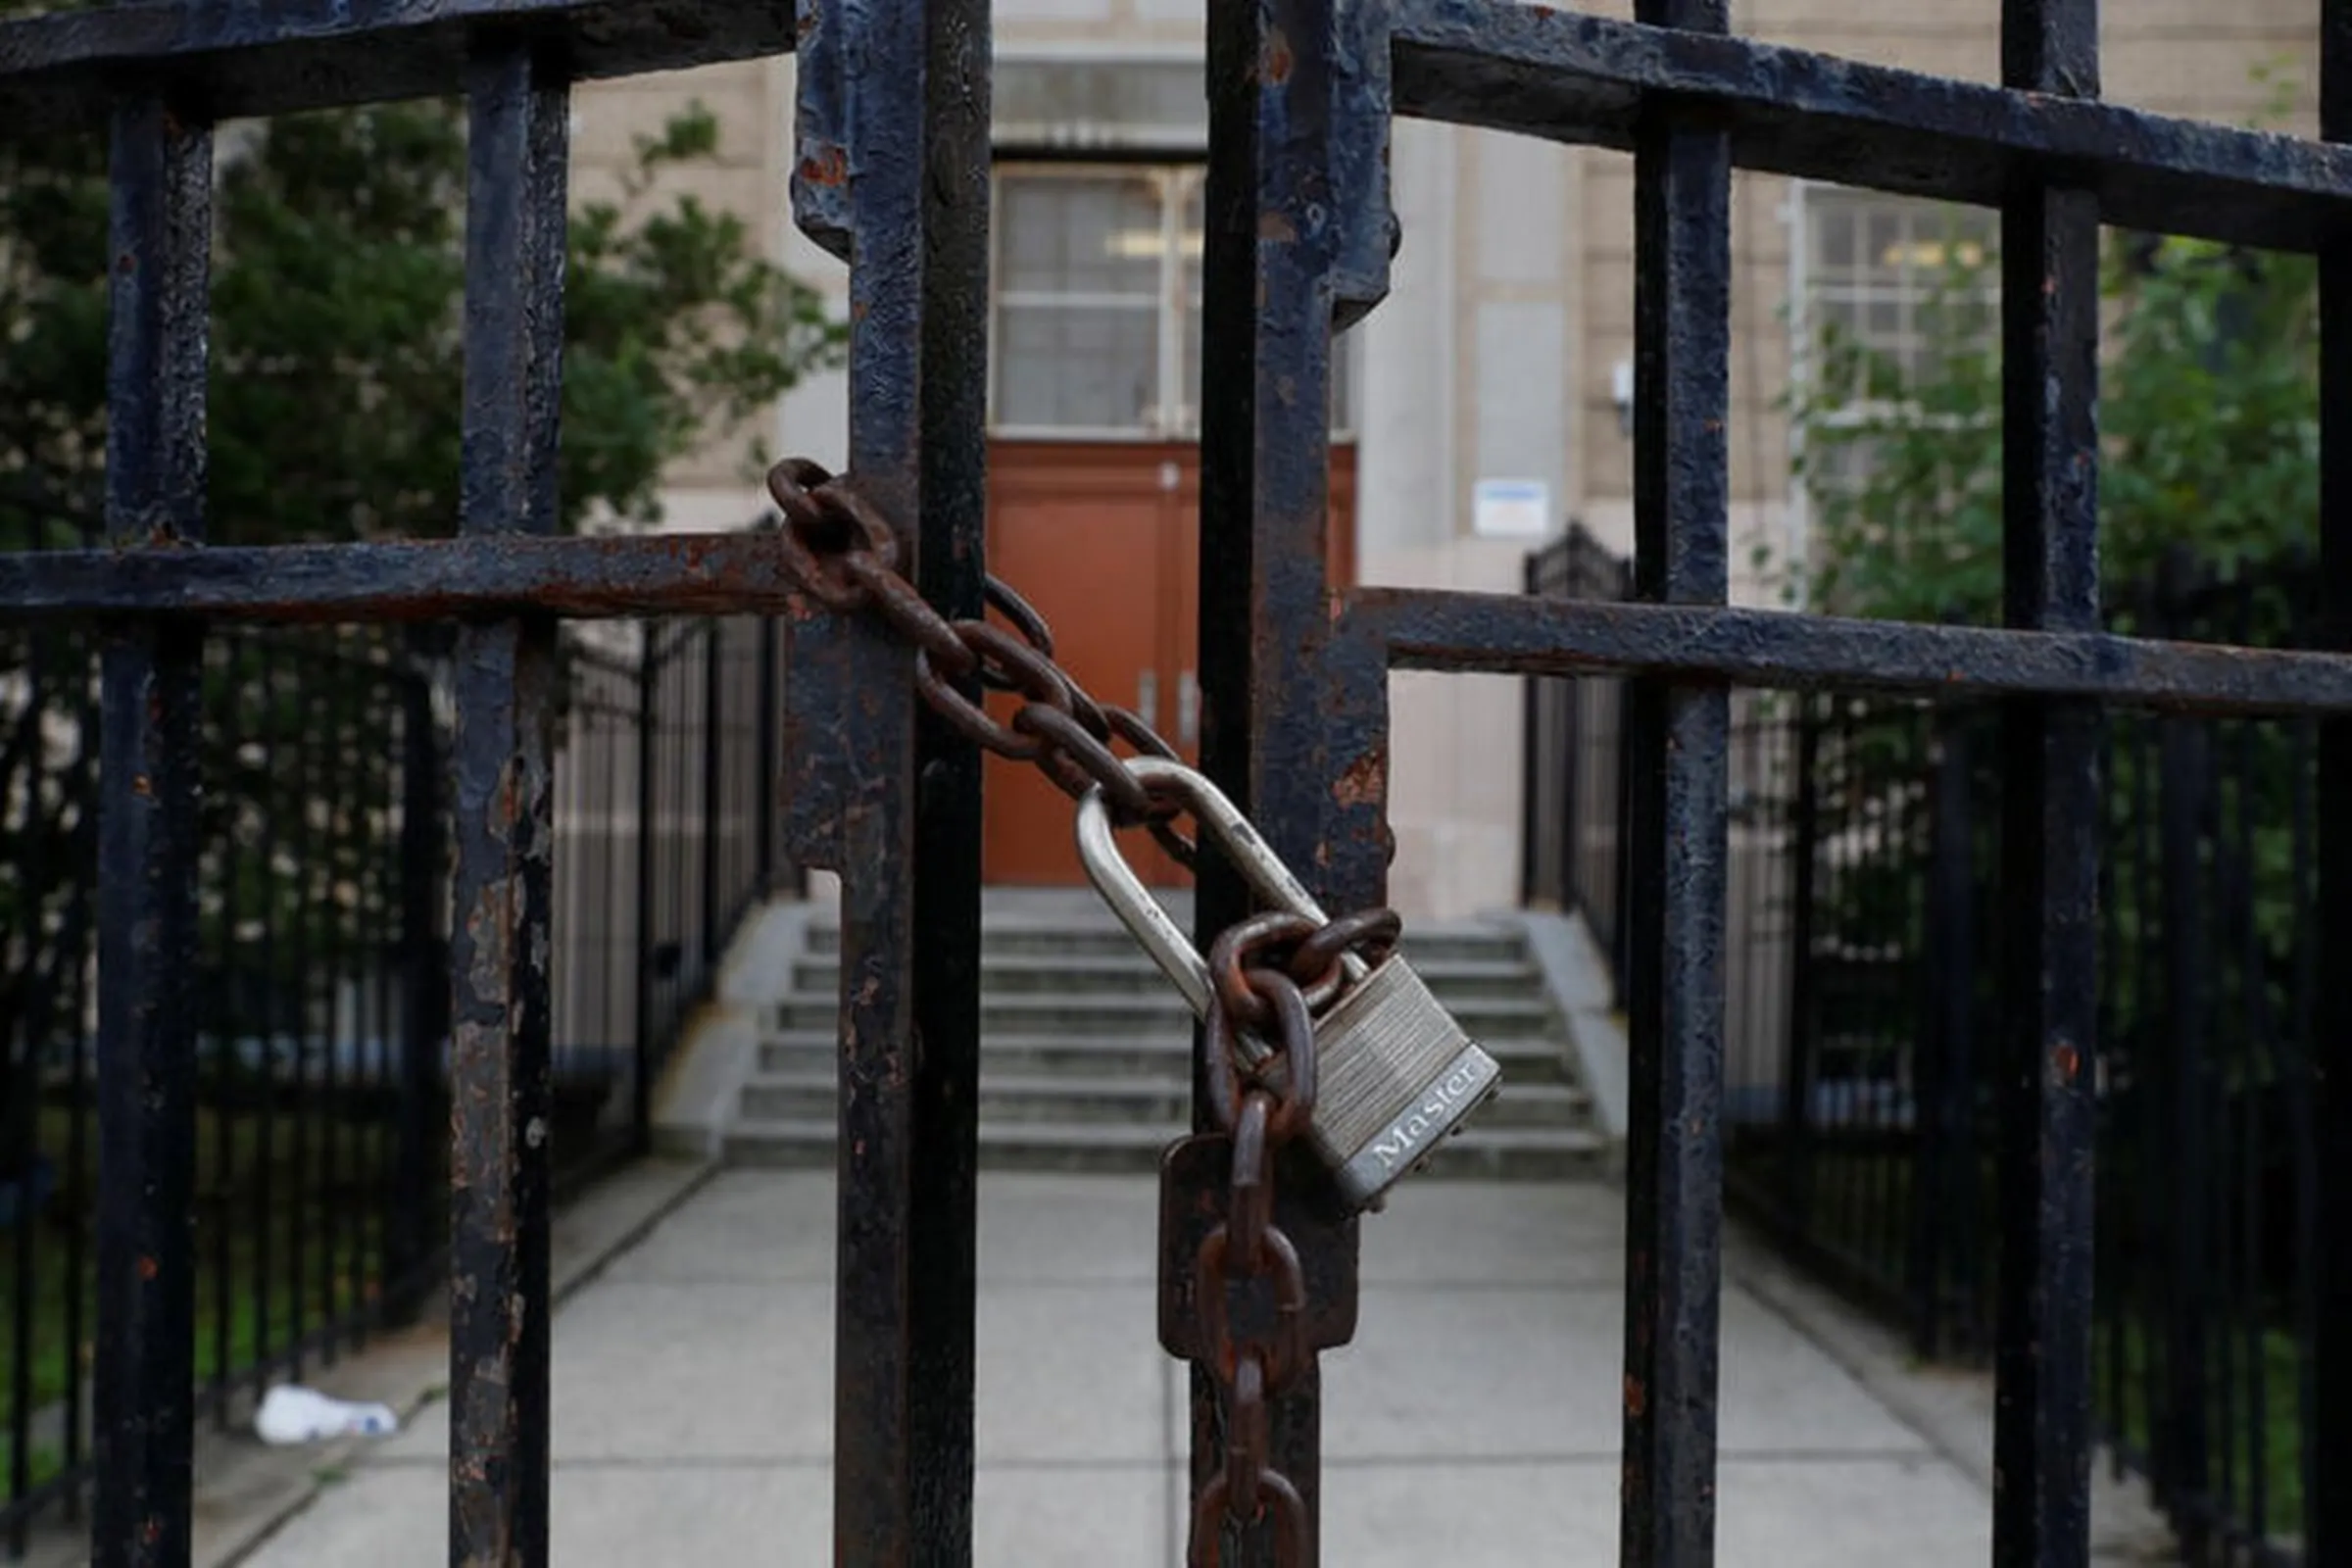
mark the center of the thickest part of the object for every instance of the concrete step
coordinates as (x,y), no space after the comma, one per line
(1157,1052)
(1515,1153)
(1135,1098)
(1108,939)
(1114,1014)
(1096,974)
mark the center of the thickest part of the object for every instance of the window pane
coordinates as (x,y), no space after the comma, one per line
(1081,236)
(1089,367)
(1879,273)
(1835,228)
(1077,316)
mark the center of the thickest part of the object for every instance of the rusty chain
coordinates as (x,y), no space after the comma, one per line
(844,556)
(1262,1108)
(1272,973)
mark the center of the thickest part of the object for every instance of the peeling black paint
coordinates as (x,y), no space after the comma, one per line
(893,173)
(503,798)
(236,60)
(408,580)
(148,844)
(1510,634)
(1573,76)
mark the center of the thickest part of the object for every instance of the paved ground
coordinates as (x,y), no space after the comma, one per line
(1473,1422)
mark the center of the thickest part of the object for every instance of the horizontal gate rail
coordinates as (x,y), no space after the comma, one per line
(1558,74)
(229,61)
(1449,629)
(583,578)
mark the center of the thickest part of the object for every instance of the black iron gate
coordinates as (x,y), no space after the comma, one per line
(891,167)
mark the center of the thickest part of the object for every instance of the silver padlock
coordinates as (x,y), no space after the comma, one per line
(1396,1073)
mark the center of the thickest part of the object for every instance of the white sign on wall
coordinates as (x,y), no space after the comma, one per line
(1510,508)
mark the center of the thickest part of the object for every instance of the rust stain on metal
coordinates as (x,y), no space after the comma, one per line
(825,164)
(147,1268)
(1361,782)
(1279,58)
(2067,1061)
(1278,227)
(1636,1400)
(486,926)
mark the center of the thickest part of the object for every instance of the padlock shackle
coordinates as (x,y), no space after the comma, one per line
(1146,918)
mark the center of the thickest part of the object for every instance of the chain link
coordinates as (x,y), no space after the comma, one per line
(1250,1247)
(1271,973)
(844,556)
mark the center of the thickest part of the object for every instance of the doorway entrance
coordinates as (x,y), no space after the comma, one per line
(1095,464)
(1104,538)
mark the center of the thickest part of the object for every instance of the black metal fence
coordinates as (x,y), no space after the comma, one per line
(322,1113)
(1860,1046)
(1575,848)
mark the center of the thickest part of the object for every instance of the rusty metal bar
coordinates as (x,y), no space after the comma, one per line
(290,55)
(1298,238)
(1447,630)
(1568,76)
(159,278)
(899,94)
(2051,826)
(2327,1500)
(1678,737)
(951,427)
(503,799)
(406,580)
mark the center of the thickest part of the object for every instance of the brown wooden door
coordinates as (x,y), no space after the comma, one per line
(1103,539)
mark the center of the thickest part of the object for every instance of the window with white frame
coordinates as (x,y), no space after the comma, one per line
(1097,317)
(1880,270)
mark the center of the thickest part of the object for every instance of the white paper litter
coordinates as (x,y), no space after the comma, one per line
(291,1413)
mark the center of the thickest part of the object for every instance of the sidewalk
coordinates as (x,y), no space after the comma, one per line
(1474,1421)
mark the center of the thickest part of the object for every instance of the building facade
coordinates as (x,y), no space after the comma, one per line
(1481,408)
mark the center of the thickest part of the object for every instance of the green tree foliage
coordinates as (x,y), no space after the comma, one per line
(337,354)
(2208,420)
(336,372)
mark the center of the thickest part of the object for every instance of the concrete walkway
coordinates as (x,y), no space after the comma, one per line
(1474,1421)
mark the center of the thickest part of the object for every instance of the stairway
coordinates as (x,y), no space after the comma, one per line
(1085,1050)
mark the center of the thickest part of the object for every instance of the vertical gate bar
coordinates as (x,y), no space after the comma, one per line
(292,763)
(1532,771)
(421,850)
(943,1197)
(764,765)
(2177,1443)
(330,733)
(515,217)
(1293,726)
(714,748)
(23,1114)
(159,245)
(1950,1287)
(915,132)
(2051,827)
(1679,738)
(1946,899)
(226,961)
(2328,1505)
(1796,1092)
(264,1275)
(641,953)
